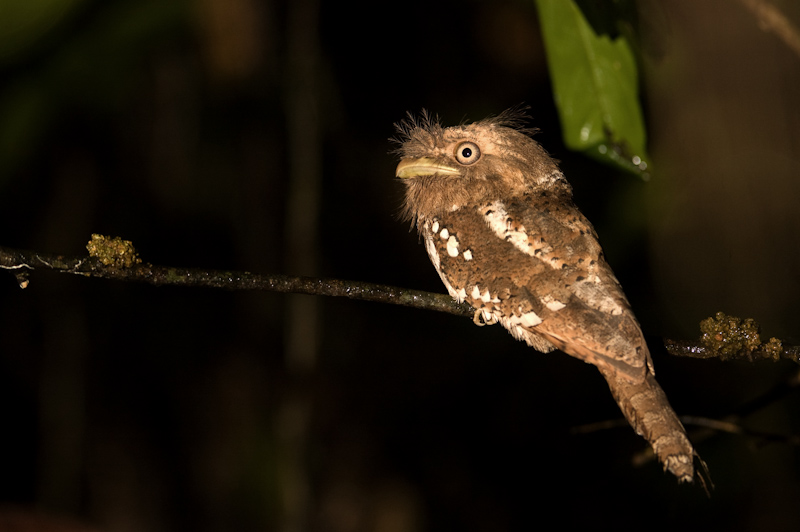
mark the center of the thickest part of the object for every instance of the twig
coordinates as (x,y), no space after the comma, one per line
(731,427)
(21,261)
(695,349)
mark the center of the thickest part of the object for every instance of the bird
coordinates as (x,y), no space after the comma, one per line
(500,226)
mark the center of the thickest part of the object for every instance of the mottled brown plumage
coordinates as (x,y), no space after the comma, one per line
(499,224)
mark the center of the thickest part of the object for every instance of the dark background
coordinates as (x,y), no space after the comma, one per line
(239,134)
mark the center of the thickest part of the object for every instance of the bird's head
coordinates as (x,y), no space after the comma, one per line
(445,169)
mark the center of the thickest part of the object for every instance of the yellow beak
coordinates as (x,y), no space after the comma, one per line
(423,166)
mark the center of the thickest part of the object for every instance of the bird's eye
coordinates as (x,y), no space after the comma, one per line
(468,153)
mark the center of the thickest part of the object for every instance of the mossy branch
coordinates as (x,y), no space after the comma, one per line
(731,338)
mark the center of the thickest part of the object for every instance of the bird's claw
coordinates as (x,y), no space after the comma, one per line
(480,318)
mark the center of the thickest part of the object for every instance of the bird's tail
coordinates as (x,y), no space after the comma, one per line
(646,408)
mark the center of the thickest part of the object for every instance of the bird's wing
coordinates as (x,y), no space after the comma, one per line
(551,291)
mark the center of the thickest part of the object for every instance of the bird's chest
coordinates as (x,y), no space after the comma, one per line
(483,259)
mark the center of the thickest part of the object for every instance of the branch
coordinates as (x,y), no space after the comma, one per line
(731,338)
(724,337)
(116,259)
(732,423)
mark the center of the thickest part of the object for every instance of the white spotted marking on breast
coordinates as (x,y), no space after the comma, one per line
(452,246)
(467,254)
(430,247)
(444,234)
(435,226)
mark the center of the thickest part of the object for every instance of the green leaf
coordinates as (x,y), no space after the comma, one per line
(595,84)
